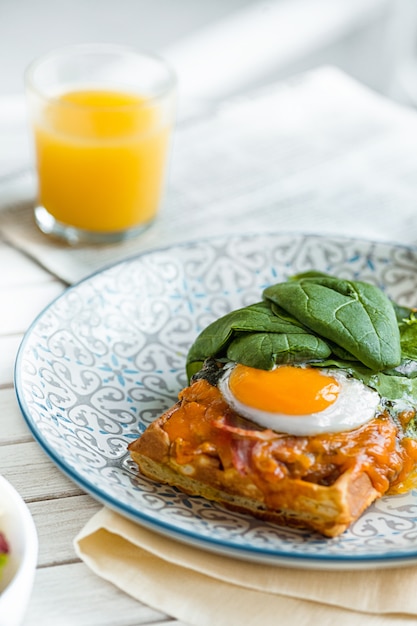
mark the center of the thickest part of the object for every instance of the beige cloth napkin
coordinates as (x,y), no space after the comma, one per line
(202,588)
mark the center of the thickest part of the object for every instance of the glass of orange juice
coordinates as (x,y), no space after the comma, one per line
(101,116)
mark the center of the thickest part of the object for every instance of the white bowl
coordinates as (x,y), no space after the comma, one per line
(17,576)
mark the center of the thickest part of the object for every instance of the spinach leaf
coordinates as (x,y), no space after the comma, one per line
(402,312)
(391,384)
(390,387)
(213,340)
(356,316)
(259,318)
(263,350)
(407,324)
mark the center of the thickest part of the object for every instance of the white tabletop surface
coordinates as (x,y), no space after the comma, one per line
(322,189)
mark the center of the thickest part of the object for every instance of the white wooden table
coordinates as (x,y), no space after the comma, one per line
(364,182)
(65,590)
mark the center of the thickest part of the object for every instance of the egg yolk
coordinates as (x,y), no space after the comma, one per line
(286,389)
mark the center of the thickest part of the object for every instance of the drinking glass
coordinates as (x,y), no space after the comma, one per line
(102,117)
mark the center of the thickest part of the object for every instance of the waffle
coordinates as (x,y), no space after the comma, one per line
(322,483)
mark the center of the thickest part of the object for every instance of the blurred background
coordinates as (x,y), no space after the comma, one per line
(221,48)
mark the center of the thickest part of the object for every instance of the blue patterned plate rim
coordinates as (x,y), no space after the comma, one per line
(263,554)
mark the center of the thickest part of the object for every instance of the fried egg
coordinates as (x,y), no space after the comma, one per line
(299,400)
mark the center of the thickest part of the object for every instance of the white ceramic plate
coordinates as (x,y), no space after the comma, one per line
(107,357)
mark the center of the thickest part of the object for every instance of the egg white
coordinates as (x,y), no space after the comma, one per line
(355,405)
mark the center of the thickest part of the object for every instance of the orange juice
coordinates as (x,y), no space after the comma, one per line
(101,158)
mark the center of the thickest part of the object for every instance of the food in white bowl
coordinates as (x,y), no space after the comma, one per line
(4,550)
(18,570)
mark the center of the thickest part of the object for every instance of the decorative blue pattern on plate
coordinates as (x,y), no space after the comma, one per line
(107,357)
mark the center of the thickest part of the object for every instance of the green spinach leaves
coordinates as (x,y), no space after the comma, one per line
(316,318)
(354,315)
(258,335)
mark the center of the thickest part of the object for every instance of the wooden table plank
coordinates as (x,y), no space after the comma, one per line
(9,345)
(58,521)
(18,269)
(13,428)
(70,594)
(25,303)
(33,474)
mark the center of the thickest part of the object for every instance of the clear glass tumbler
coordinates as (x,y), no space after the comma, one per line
(102,116)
